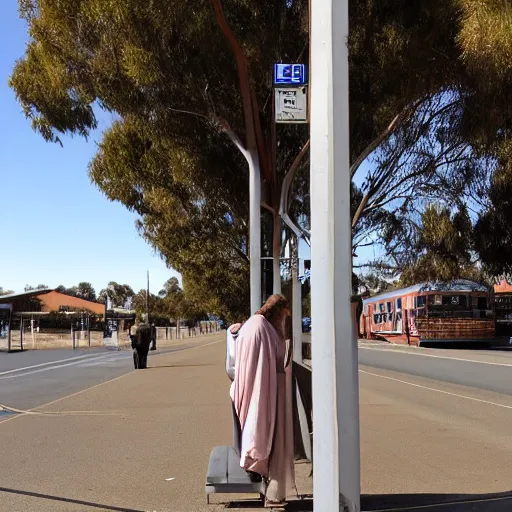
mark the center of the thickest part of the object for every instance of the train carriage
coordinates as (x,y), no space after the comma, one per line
(503,306)
(460,310)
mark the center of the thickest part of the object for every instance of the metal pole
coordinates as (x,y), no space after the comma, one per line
(255,231)
(336,460)
(276,219)
(296,302)
(147,302)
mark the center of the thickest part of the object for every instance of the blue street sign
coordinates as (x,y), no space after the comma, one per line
(289,74)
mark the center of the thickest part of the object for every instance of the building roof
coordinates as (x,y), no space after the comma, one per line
(30,293)
(504,285)
(457,285)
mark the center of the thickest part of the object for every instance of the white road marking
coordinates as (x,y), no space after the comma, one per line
(436,390)
(14,417)
(170,479)
(56,367)
(45,364)
(403,352)
(85,361)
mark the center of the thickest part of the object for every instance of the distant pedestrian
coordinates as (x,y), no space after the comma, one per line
(140,335)
(153,336)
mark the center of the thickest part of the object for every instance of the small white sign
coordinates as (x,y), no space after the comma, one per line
(291,105)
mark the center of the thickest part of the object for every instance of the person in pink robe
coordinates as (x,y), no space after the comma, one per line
(262,396)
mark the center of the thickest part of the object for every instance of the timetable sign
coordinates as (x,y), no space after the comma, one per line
(290,74)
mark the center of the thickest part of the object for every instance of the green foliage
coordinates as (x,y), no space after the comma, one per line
(443,249)
(118,294)
(493,230)
(86,291)
(29,288)
(163,68)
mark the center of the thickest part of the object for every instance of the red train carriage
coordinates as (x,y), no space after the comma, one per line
(459,310)
(503,306)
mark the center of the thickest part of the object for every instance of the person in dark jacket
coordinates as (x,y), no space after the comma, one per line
(153,336)
(141,340)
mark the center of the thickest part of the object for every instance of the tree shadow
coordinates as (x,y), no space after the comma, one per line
(68,500)
(497,502)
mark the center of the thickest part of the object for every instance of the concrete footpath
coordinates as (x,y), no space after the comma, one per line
(139,442)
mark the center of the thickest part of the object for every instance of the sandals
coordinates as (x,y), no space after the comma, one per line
(275,504)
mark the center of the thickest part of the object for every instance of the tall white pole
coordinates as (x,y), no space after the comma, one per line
(336,458)
(254,229)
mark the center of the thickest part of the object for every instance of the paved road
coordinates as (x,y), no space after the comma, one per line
(482,369)
(436,424)
(32,378)
(139,441)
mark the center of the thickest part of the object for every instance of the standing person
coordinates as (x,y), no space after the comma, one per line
(262,398)
(140,335)
(153,336)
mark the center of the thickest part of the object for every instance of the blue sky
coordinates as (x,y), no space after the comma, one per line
(57,228)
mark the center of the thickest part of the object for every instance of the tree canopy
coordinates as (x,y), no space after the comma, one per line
(117,293)
(188,83)
(493,230)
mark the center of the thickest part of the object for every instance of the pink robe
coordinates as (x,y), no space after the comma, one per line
(262,396)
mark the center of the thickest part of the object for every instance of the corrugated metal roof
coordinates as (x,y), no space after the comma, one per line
(5,298)
(458,285)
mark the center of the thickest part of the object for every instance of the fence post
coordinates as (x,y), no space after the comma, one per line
(73,336)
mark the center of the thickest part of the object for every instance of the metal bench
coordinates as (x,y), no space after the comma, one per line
(225,476)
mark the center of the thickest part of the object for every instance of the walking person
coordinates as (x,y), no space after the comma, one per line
(140,335)
(262,397)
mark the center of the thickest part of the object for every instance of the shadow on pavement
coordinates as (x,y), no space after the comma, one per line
(499,502)
(68,500)
(179,366)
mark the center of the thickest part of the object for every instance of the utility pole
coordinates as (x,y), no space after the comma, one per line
(336,452)
(147,301)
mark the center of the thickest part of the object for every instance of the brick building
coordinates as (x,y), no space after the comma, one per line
(45,301)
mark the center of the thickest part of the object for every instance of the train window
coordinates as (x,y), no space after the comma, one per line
(454,300)
(398,304)
(376,319)
(435,300)
(389,306)
(420,301)
(382,307)
(482,303)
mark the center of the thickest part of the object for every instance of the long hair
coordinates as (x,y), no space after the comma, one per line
(273,307)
